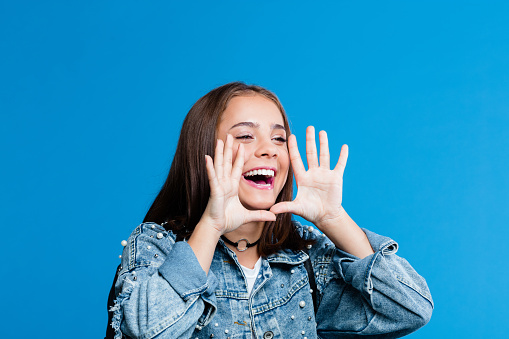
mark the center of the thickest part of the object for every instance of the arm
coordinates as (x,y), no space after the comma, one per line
(162,291)
(319,195)
(369,290)
(224,212)
(165,288)
(379,295)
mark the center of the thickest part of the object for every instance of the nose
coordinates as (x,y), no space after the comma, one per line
(266,148)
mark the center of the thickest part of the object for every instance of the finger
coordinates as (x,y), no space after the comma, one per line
(211,174)
(227,161)
(340,166)
(218,158)
(298,166)
(284,207)
(324,150)
(238,166)
(311,148)
(260,215)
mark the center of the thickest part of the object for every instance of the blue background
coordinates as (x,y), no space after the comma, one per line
(92,96)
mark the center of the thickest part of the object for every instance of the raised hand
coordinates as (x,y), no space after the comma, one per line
(224,210)
(320,189)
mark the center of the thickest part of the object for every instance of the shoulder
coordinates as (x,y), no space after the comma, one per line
(148,245)
(378,242)
(150,230)
(308,232)
(320,244)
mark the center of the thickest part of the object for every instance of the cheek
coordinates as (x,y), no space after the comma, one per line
(284,160)
(284,163)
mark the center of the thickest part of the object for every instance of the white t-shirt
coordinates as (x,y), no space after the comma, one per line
(251,274)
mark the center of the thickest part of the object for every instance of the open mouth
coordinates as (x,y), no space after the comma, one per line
(262,178)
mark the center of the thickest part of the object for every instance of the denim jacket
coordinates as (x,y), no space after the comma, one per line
(162,292)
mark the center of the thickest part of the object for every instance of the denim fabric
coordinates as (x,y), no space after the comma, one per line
(162,292)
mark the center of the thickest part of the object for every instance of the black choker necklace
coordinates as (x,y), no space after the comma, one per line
(244,244)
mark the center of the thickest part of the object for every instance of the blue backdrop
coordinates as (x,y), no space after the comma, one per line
(92,96)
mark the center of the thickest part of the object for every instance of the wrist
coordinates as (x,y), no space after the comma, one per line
(209,227)
(332,220)
(203,242)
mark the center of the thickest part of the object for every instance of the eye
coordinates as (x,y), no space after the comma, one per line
(280,139)
(244,137)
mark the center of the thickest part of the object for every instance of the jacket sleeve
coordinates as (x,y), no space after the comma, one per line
(380,295)
(161,290)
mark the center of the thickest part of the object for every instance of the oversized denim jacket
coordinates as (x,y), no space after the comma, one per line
(162,292)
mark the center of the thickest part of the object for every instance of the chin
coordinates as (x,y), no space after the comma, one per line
(258,205)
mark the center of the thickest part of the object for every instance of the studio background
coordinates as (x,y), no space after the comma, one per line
(93,94)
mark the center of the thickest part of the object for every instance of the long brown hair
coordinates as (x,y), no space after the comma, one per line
(184,196)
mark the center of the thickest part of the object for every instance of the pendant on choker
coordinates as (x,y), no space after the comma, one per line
(241,245)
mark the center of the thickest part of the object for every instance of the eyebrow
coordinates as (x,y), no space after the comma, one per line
(256,125)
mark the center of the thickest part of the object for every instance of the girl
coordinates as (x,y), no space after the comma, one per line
(218,255)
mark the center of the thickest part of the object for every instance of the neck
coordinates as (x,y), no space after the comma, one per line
(250,231)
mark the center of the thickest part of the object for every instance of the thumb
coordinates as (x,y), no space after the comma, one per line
(284,207)
(260,215)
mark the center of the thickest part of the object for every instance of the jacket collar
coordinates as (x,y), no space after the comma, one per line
(288,257)
(282,257)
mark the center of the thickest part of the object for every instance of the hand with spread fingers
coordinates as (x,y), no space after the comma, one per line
(320,189)
(224,210)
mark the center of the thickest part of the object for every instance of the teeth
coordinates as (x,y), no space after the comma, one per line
(260,172)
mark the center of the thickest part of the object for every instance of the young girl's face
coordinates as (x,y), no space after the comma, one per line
(256,122)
